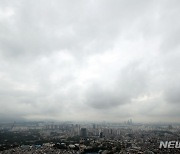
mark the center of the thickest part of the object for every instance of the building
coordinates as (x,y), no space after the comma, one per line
(83,132)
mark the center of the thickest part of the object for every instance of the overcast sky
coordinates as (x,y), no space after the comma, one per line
(98,60)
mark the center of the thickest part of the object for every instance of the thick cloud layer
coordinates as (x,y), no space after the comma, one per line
(90,60)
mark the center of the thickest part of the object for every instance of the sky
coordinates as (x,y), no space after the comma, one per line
(90,60)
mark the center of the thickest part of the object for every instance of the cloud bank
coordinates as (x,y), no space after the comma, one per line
(90,60)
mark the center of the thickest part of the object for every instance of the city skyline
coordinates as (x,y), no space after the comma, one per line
(90,60)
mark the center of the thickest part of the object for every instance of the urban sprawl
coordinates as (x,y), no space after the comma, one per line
(87,138)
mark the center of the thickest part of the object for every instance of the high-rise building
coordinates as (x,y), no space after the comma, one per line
(101,135)
(83,132)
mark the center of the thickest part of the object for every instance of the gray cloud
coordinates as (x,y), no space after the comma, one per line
(85,60)
(102,98)
(131,82)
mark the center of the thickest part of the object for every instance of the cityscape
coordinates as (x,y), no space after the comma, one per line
(89,76)
(87,138)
